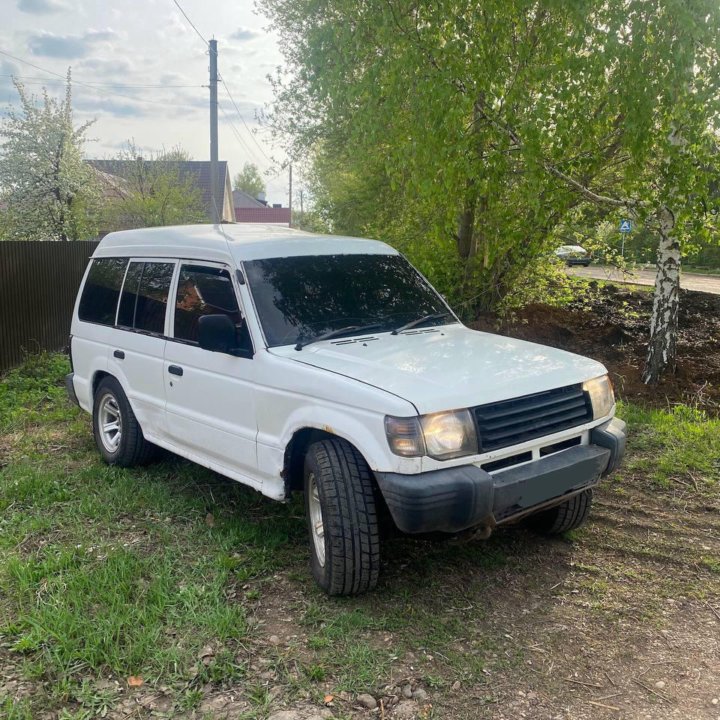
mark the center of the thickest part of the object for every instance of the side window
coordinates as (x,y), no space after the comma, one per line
(206,291)
(126,314)
(100,294)
(144,296)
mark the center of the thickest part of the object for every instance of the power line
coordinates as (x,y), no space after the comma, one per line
(82,84)
(242,119)
(192,24)
(29,78)
(236,132)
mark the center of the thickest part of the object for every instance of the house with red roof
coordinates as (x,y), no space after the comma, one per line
(256,210)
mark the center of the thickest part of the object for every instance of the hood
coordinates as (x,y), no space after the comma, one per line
(448,367)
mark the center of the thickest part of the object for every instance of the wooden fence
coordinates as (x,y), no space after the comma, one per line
(38,285)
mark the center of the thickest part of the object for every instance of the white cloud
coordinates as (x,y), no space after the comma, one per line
(243,34)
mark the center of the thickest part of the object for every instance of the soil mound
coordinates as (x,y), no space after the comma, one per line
(612,324)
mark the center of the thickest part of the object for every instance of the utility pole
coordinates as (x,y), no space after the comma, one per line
(215,200)
(302,209)
(290,196)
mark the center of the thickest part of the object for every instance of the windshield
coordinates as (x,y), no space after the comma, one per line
(300,298)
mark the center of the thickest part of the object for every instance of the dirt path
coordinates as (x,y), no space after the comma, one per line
(690,281)
(621,622)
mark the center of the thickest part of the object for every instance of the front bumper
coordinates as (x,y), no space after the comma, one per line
(467,496)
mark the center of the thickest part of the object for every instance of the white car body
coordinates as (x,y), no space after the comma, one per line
(238,415)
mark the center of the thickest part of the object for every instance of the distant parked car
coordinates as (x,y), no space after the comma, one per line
(574,255)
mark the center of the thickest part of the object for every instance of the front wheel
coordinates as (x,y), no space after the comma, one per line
(342,518)
(560,519)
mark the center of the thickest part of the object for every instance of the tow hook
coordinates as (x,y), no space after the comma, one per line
(479,532)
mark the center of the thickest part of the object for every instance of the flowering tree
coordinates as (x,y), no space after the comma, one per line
(46,190)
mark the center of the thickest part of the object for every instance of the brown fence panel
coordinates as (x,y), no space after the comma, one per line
(38,285)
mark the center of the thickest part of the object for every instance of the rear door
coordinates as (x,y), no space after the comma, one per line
(210,395)
(138,347)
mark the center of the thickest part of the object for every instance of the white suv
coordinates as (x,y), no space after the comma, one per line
(289,361)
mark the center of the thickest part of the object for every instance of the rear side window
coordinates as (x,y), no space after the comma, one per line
(99,300)
(144,297)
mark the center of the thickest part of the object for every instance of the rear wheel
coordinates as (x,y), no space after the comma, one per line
(117,432)
(570,515)
(342,518)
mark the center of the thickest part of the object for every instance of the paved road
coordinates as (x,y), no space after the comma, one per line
(689,281)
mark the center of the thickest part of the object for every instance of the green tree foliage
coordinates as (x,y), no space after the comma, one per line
(46,190)
(487,123)
(150,191)
(249,180)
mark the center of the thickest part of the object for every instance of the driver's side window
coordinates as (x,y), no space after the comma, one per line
(204,290)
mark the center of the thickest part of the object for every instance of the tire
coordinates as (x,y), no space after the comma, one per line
(127,447)
(340,496)
(558,520)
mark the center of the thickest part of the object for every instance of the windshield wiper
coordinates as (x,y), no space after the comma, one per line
(301,343)
(420,321)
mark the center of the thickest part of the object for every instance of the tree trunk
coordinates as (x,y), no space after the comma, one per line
(466,227)
(664,321)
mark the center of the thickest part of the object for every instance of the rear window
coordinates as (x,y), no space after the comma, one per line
(145,295)
(99,300)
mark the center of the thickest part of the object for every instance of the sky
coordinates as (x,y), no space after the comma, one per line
(111,45)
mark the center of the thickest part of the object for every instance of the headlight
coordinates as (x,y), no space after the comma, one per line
(442,435)
(601,395)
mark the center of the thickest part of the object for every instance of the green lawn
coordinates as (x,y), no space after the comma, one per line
(197,585)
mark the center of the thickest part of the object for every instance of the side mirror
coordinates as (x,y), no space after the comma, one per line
(216,333)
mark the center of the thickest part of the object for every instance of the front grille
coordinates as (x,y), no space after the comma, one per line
(515,421)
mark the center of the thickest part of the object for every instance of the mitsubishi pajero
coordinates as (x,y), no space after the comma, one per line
(296,362)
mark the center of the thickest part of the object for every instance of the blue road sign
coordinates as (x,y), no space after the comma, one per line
(625,226)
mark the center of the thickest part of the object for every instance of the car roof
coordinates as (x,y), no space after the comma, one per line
(232,242)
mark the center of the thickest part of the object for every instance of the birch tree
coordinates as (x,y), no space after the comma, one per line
(48,192)
(491,122)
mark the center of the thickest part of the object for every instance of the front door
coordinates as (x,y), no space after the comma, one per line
(210,397)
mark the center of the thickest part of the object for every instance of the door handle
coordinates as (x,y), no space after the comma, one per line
(175,370)
(119,354)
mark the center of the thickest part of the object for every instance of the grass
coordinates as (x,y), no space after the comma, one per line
(674,446)
(177,576)
(104,570)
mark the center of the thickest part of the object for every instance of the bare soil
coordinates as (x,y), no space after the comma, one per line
(611,324)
